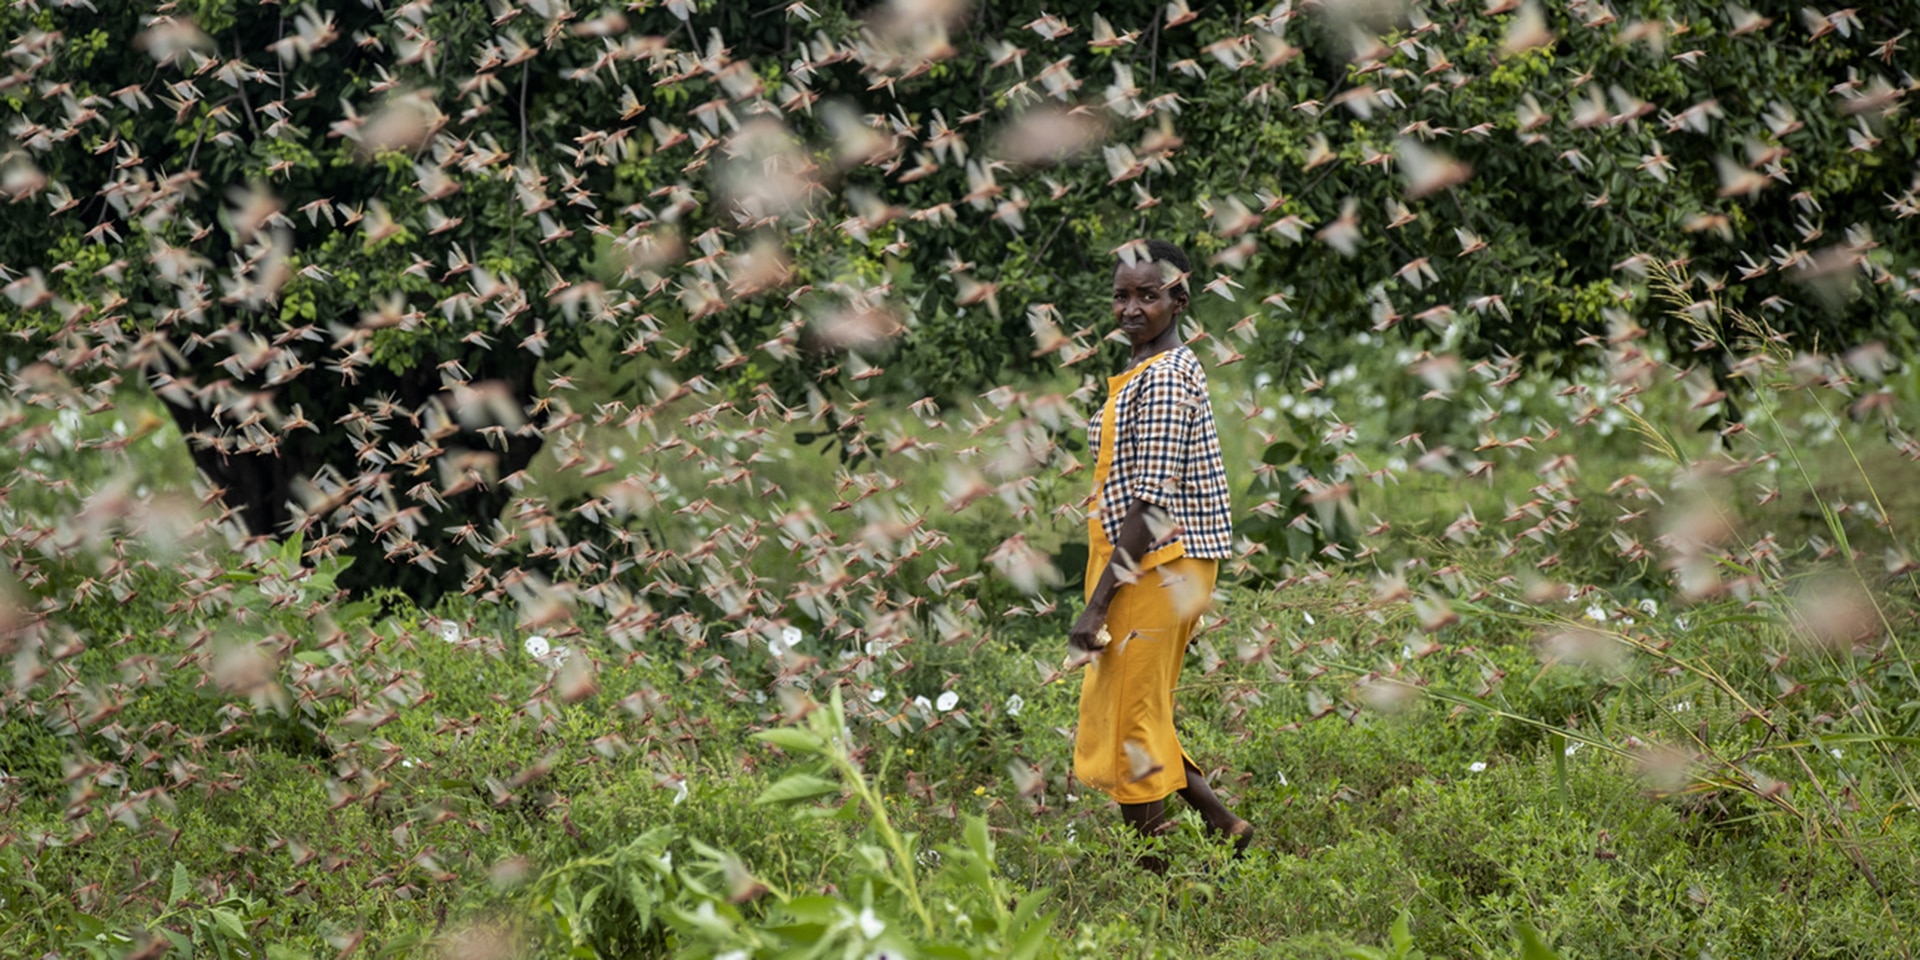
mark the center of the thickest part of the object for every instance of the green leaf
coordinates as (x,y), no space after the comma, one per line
(1024,924)
(642,898)
(1401,934)
(1032,939)
(228,923)
(979,839)
(791,739)
(799,786)
(1279,453)
(400,945)
(849,810)
(182,943)
(586,909)
(182,885)
(813,908)
(809,934)
(1533,947)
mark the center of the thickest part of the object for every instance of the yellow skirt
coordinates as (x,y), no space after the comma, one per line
(1126,745)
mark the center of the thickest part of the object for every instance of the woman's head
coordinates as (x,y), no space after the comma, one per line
(1150,293)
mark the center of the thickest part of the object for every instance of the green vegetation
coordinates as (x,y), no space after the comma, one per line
(547,479)
(400,197)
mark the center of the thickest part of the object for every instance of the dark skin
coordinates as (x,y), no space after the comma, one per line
(1147,310)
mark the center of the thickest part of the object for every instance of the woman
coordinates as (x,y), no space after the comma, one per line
(1159,525)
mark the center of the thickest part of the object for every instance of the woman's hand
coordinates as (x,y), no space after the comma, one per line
(1084,637)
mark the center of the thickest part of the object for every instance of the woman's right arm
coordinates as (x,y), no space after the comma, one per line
(1154,444)
(1136,533)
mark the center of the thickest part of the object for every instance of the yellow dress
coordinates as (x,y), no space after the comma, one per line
(1126,745)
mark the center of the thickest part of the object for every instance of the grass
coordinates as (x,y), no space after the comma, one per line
(1360,820)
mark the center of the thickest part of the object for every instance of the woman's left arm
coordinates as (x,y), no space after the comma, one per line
(1136,533)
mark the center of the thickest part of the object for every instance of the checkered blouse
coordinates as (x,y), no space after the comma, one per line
(1167,452)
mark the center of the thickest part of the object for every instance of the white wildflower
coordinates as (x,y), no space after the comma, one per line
(537,647)
(876,695)
(947,701)
(1476,766)
(449,631)
(1015,704)
(870,925)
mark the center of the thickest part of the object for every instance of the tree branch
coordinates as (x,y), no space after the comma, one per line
(513,231)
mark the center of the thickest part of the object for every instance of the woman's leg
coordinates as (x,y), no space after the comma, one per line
(1198,794)
(1149,819)
(1144,817)
(1197,577)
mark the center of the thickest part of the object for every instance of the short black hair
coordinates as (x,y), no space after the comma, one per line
(1164,251)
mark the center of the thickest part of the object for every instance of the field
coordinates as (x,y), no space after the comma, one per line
(1469,735)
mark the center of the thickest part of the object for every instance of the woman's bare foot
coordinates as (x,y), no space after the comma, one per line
(1242,834)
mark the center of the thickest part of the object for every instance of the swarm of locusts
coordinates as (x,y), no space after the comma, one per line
(751,165)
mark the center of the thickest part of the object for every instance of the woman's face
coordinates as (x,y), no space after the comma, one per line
(1142,303)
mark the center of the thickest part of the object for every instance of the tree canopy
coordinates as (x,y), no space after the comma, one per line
(340,242)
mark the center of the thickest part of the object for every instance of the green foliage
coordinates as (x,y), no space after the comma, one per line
(1399,944)
(382,259)
(697,909)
